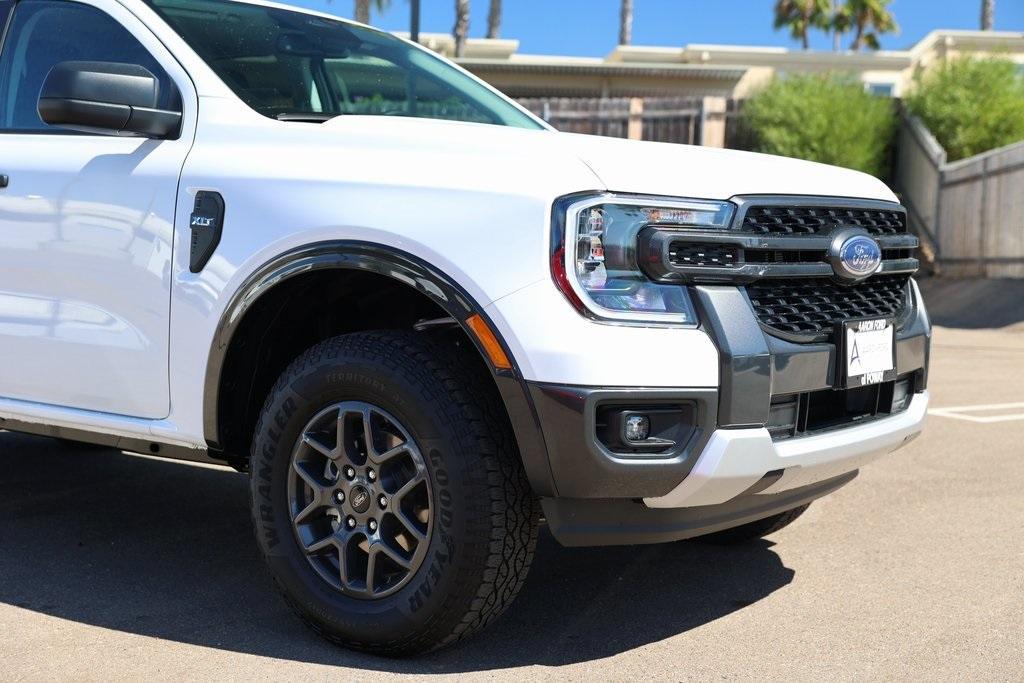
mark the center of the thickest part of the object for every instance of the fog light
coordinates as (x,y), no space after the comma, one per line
(637,428)
(645,430)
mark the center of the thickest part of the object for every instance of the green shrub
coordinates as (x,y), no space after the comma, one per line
(971,105)
(827,118)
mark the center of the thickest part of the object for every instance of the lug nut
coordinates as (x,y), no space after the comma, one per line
(371,475)
(382,501)
(350,472)
(372,524)
(339,497)
(350,522)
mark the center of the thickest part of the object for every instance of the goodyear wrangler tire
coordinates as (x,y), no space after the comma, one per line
(388,496)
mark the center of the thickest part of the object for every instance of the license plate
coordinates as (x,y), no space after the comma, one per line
(869,352)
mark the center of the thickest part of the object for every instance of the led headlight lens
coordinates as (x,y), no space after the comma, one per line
(600,256)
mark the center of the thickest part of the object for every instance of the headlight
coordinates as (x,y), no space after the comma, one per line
(594,255)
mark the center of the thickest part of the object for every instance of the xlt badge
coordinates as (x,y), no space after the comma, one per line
(206,222)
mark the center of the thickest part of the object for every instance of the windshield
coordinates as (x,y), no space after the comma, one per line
(294,66)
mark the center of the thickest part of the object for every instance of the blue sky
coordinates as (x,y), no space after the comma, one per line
(590,27)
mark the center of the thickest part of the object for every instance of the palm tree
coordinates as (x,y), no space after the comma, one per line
(988,14)
(800,16)
(362,9)
(869,19)
(840,23)
(494,19)
(461,29)
(836,26)
(626,22)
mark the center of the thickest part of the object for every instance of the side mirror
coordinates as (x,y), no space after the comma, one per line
(106,97)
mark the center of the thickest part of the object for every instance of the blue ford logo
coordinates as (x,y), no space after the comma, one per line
(855,256)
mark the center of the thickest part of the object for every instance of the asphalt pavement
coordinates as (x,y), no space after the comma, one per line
(121,567)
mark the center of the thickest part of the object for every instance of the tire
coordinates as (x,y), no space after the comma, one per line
(469,533)
(754,530)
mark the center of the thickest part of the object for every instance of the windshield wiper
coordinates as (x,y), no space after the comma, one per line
(307,117)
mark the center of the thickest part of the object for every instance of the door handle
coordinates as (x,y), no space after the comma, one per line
(4,181)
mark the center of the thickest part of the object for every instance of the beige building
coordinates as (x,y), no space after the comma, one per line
(710,70)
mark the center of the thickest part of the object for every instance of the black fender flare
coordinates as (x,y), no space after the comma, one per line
(411,271)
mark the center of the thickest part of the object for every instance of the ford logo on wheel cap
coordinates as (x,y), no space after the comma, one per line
(854,255)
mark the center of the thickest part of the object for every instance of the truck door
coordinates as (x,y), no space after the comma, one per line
(86,222)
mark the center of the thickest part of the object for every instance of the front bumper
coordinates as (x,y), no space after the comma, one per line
(730,470)
(740,475)
(735,460)
(587,522)
(755,369)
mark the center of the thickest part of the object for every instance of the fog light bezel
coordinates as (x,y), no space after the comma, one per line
(670,428)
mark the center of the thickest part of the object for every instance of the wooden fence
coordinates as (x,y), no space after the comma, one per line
(693,121)
(969,214)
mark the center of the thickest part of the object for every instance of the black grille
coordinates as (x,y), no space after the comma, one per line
(786,220)
(770,256)
(811,307)
(818,411)
(695,254)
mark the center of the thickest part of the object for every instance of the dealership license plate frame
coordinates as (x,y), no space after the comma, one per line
(850,331)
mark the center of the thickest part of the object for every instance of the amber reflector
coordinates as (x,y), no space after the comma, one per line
(489,342)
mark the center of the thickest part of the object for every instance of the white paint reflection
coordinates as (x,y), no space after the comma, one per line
(70,321)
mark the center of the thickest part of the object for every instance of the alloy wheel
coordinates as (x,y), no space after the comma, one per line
(359,499)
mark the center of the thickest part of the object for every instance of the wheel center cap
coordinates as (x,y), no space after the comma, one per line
(359,498)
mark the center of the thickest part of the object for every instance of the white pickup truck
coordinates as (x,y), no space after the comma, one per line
(420,318)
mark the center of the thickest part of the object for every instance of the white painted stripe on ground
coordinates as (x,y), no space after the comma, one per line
(961,412)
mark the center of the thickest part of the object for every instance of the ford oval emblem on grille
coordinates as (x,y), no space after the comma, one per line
(854,255)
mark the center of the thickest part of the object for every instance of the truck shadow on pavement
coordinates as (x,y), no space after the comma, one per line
(165,550)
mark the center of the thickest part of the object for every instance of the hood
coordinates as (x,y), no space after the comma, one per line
(673,170)
(519,159)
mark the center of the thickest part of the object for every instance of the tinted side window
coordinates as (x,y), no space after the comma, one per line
(43,33)
(284,63)
(376,85)
(5,9)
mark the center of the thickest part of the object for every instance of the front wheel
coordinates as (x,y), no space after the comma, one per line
(388,496)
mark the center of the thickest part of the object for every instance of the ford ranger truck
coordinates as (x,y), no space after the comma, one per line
(419,318)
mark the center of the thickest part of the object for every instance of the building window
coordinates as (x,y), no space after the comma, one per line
(880,89)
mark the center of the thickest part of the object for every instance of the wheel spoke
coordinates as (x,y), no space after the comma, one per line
(381,458)
(325,543)
(314,506)
(393,555)
(409,525)
(347,443)
(371,449)
(371,567)
(312,480)
(343,562)
(408,486)
(319,447)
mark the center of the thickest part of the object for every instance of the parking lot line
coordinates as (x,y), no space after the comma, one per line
(963,412)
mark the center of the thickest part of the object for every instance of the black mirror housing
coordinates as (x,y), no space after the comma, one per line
(106,97)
